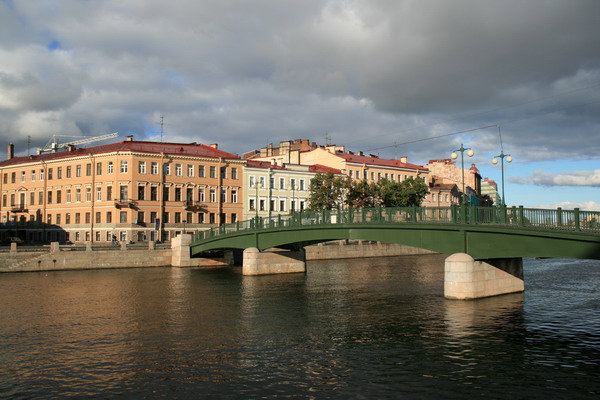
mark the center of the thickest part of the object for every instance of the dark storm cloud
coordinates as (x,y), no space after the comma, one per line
(370,74)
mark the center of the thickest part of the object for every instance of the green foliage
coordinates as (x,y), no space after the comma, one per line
(328,191)
(362,194)
(409,192)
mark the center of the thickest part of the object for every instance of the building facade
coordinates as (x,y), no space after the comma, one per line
(489,187)
(272,189)
(130,191)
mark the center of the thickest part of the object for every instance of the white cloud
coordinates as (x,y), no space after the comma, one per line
(572,178)
(569,205)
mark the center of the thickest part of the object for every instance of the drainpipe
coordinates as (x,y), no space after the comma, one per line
(92,217)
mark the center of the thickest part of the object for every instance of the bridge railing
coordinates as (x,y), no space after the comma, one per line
(566,220)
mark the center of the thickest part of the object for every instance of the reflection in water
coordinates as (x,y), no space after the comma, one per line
(361,328)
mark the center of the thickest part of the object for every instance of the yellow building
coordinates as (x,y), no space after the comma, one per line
(130,190)
(358,166)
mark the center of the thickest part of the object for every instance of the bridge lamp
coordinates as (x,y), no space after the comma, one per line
(502,156)
(454,156)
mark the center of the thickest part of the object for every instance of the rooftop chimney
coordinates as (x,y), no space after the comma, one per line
(10,151)
(360,153)
(129,138)
(214,145)
(70,147)
(403,159)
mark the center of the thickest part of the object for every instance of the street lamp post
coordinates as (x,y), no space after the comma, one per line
(502,156)
(470,153)
(256,186)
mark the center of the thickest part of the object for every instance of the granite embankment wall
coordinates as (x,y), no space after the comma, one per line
(343,249)
(69,259)
(96,259)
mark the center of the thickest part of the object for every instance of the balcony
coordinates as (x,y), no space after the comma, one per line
(191,205)
(18,208)
(125,203)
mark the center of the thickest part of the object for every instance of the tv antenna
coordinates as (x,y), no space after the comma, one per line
(162,124)
(327,138)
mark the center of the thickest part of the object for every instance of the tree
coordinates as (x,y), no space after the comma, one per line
(328,191)
(409,192)
(362,194)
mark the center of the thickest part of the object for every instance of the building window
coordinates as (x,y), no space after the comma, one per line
(59,173)
(261,205)
(108,236)
(177,194)
(282,183)
(166,217)
(293,184)
(252,181)
(234,174)
(234,196)
(153,217)
(153,193)
(178,170)
(88,194)
(211,218)
(41,198)
(281,205)
(200,218)
(190,170)
(109,195)
(124,167)
(58,196)
(272,205)
(189,194)
(49,196)
(88,170)
(98,193)
(13,177)
(49,174)
(32,176)
(31,199)
(251,205)
(99,168)
(154,168)
(200,194)
(140,217)
(123,192)
(141,167)
(109,217)
(77,218)
(109,168)
(123,217)
(22,176)
(67,218)
(97,236)
(262,182)
(41,174)
(165,193)
(58,221)
(166,169)
(141,192)
(213,196)
(177,217)
(77,171)
(88,217)
(213,171)
(351,173)
(68,172)
(68,196)
(233,218)
(272,183)
(223,172)
(77,195)
(302,184)
(98,217)
(201,171)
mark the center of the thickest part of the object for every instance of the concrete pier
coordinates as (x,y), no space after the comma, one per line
(273,261)
(466,278)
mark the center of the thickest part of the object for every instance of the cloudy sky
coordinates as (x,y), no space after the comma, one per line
(377,76)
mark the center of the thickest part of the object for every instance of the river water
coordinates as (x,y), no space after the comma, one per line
(369,328)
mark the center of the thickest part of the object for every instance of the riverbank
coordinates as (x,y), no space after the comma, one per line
(70,258)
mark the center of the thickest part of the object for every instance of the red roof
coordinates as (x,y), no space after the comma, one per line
(198,150)
(353,158)
(323,169)
(263,164)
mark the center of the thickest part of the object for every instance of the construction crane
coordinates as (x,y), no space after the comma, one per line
(53,144)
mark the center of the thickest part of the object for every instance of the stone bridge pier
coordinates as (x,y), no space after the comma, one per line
(466,278)
(273,261)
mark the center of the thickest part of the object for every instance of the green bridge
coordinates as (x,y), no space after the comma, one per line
(481,232)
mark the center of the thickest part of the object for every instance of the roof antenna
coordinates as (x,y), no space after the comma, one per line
(327,138)
(28,145)
(162,123)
